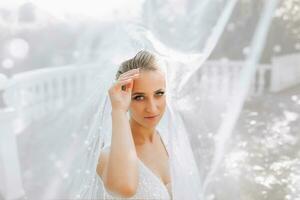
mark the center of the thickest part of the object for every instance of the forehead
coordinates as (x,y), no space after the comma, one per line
(149,81)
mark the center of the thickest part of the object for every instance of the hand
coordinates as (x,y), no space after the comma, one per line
(120,91)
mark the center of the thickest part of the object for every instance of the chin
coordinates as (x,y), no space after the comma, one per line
(147,124)
(151,124)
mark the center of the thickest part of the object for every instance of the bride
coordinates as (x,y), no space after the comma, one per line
(137,163)
(130,143)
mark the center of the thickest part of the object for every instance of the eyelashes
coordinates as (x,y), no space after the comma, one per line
(141,97)
(138,98)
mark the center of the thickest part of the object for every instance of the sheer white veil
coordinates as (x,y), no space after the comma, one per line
(86,184)
(59,151)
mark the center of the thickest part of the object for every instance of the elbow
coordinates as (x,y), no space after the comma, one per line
(123,183)
(126,190)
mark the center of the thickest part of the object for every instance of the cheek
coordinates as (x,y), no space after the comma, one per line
(163,103)
(136,108)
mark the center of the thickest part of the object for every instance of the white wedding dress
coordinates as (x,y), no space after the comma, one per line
(150,185)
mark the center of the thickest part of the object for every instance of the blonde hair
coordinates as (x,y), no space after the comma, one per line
(143,60)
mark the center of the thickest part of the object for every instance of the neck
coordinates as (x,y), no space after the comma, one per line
(140,134)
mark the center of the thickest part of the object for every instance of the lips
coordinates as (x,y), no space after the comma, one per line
(152,117)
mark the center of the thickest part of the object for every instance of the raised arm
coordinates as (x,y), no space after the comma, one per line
(118,167)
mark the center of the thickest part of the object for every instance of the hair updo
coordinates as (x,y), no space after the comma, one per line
(143,60)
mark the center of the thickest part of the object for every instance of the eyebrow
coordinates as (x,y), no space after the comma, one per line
(141,93)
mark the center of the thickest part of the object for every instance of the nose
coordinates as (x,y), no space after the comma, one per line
(152,106)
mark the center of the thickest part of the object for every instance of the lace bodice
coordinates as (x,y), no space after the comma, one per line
(149,187)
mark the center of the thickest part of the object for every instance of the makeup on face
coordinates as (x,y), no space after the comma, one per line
(140,95)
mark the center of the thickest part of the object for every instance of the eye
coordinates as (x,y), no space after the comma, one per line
(138,98)
(161,93)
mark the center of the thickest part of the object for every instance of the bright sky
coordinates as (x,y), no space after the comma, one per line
(91,8)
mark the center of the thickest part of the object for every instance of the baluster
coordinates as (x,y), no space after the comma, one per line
(213,81)
(51,95)
(40,99)
(225,73)
(61,90)
(75,85)
(32,100)
(68,88)
(261,80)
(11,180)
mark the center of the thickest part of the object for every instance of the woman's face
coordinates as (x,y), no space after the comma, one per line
(148,99)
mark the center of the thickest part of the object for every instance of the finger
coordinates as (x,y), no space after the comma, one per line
(134,76)
(129,86)
(128,76)
(119,84)
(130,72)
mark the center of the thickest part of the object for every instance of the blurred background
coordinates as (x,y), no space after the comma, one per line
(67,42)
